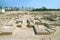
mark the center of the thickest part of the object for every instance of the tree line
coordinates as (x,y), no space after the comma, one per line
(45,9)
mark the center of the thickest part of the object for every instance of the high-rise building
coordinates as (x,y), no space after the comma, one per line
(2,10)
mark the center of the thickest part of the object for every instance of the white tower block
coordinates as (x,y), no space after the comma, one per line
(3,10)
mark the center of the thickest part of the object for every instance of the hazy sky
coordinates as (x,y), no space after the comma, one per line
(31,3)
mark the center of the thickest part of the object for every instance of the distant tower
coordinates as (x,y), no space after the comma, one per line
(3,10)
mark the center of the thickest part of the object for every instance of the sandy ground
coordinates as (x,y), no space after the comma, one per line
(26,33)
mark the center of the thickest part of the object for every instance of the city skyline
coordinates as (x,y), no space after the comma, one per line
(31,3)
